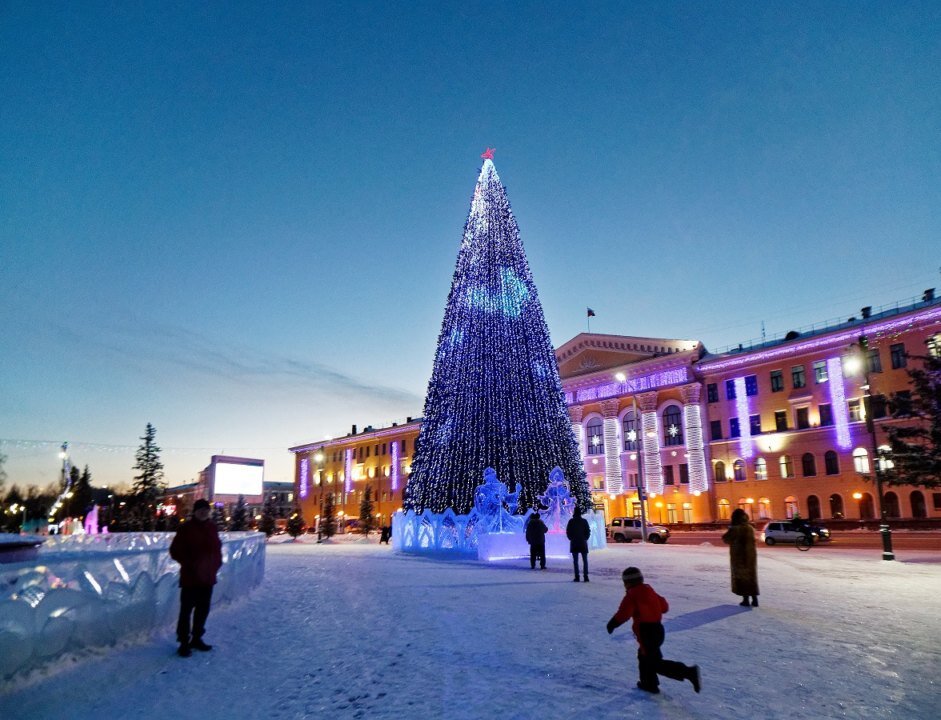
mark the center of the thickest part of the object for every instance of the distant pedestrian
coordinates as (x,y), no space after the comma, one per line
(642,604)
(536,537)
(385,534)
(578,531)
(740,537)
(197,548)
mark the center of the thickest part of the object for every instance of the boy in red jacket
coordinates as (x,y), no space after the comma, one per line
(642,603)
(197,548)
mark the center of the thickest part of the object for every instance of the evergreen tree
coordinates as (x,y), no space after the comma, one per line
(149,483)
(239,512)
(268,511)
(367,521)
(296,523)
(3,472)
(70,506)
(218,517)
(328,521)
(915,452)
(494,398)
(80,502)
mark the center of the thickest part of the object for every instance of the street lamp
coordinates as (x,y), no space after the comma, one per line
(860,361)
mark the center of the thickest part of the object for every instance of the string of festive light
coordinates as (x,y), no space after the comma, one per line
(745,445)
(614,479)
(838,403)
(305,465)
(494,398)
(698,477)
(653,467)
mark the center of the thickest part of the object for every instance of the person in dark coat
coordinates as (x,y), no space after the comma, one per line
(536,537)
(740,537)
(578,531)
(196,546)
(385,534)
(646,607)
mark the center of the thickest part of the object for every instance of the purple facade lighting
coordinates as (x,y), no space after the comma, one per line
(673,376)
(826,341)
(348,470)
(838,403)
(744,423)
(302,485)
(395,465)
(653,469)
(698,477)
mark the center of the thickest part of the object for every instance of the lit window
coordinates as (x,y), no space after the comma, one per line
(861,460)
(672,426)
(594,433)
(738,470)
(761,469)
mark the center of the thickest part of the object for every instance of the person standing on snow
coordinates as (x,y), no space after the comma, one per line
(536,537)
(578,531)
(743,558)
(642,603)
(196,546)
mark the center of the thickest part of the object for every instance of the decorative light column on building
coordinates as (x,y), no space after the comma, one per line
(614,479)
(396,465)
(695,447)
(650,437)
(575,415)
(302,479)
(745,444)
(838,403)
(348,472)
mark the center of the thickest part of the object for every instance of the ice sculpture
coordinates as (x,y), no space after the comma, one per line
(558,502)
(489,501)
(91,521)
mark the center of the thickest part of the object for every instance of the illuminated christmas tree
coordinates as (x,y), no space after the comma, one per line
(494,398)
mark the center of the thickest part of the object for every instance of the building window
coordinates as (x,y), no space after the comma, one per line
(790,506)
(902,403)
(826,415)
(751,385)
(729,389)
(754,424)
(724,508)
(715,429)
(687,512)
(671,513)
(738,470)
(820,371)
(780,420)
(934,345)
(719,474)
(861,461)
(797,376)
(764,508)
(734,432)
(684,474)
(854,408)
(803,418)
(879,405)
(808,465)
(935,500)
(873,361)
(672,426)
(831,463)
(787,466)
(761,469)
(595,435)
(668,475)
(897,353)
(777,381)
(629,431)
(712,393)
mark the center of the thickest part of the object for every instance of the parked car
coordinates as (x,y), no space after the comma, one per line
(625,529)
(788,531)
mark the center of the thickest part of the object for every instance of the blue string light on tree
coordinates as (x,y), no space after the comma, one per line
(494,399)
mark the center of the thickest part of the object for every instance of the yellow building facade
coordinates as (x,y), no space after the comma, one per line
(777,429)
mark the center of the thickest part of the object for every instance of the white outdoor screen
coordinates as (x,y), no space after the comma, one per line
(232,479)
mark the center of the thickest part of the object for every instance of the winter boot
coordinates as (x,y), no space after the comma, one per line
(198,644)
(694,677)
(184,650)
(754,601)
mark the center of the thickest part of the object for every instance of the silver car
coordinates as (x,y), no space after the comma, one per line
(785,531)
(625,529)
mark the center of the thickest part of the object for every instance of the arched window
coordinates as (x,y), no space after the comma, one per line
(808,465)
(918,504)
(764,508)
(761,469)
(867,510)
(813,507)
(790,506)
(738,470)
(724,509)
(861,460)
(629,431)
(891,501)
(787,466)
(831,462)
(836,507)
(720,475)
(672,426)
(594,435)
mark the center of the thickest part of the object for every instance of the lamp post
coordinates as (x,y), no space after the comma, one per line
(862,351)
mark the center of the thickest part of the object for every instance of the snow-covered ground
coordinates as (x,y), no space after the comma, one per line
(352,630)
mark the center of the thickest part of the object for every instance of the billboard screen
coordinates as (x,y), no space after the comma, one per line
(238,479)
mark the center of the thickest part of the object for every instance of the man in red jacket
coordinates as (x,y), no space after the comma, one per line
(642,603)
(197,548)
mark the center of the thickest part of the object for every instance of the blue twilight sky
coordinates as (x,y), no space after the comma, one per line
(239,221)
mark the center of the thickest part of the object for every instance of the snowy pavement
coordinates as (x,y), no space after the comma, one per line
(352,630)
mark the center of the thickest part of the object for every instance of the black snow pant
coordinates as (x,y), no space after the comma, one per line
(194,601)
(537,552)
(584,563)
(650,659)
